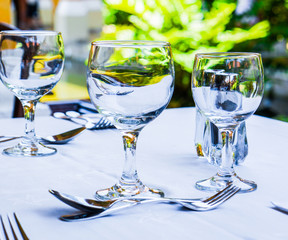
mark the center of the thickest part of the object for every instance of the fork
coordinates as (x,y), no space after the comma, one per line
(206,204)
(101,124)
(69,135)
(5,231)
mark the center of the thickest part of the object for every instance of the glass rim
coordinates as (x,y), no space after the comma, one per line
(130,43)
(227,54)
(29,32)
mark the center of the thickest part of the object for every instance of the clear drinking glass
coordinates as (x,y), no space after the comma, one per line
(208,141)
(227,98)
(130,83)
(31,63)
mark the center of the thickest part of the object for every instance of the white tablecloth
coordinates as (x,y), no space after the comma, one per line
(167,160)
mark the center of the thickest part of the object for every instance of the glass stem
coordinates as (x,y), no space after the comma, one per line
(129,175)
(29,115)
(226,169)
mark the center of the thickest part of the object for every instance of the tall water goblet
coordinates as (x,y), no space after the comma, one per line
(130,83)
(227,88)
(31,64)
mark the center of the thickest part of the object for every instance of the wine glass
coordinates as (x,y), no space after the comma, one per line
(130,83)
(227,88)
(31,63)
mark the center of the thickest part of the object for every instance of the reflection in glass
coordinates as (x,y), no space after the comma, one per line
(130,83)
(227,89)
(31,64)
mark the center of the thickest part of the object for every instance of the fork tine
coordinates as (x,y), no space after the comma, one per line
(97,125)
(106,123)
(20,228)
(225,196)
(220,195)
(4,229)
(232,193)
(217,194)
(103,123)
(12,229)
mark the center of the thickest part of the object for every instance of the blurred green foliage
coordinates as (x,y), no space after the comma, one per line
(190,26)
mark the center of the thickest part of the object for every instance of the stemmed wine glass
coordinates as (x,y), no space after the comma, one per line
(227,88)
(31,63)
(130,83)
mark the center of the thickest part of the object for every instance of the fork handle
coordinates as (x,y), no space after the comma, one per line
(153,199)
(93,215)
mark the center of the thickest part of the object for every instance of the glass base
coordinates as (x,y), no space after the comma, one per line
(28,150)
(218,182)
(118,191)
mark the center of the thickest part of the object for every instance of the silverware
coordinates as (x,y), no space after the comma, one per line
(280,207)
(93,118)
(102,124)
(81,216)
(67,136)
(61,115)
(89,121)
(63,137)
(13,233)
(101,208)
(55,139)
(7,138)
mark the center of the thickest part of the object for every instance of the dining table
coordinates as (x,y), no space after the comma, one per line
(166,159)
